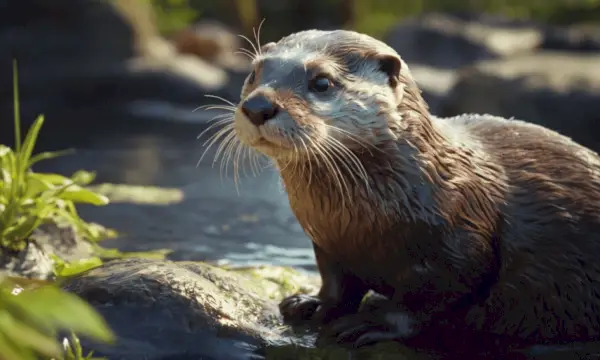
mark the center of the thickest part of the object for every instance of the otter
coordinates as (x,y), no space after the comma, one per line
(475,221)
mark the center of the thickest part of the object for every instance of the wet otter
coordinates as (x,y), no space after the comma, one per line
(473,221)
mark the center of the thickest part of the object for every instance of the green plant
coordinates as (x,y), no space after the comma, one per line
(173,15)
(28,199)
(74,351)
(30,320)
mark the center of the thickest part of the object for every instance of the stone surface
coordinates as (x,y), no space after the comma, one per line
(192,310)
(559,90)
(35,261)
(160,309)
(32,263)
(449,42)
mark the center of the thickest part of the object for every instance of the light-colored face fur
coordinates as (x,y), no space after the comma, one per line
(352,115)
(353,151)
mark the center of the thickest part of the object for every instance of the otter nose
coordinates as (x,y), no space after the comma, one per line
(259,109)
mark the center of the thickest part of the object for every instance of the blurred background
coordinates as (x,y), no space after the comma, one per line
(118,81)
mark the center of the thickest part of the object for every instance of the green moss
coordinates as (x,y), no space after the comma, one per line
(121,193)
(279,281)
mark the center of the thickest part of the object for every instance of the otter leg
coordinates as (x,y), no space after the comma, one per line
(341,293)
(431,292)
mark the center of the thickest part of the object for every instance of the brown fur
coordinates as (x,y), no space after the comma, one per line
(489,223)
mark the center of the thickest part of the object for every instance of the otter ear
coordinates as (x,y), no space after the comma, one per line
(391,66)
(268,46)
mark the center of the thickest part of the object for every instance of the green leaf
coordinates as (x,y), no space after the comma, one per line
(54,180)
(36,185)
(66,269)
(82,177)
(51,307)
(16,109)
(10,350)
(48,155)
(78,194)
(29,337)
(30,140)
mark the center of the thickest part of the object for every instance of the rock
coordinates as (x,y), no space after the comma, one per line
(449,41)
(62,240)
(160,309)
(434,83)
(556,89)
(583,38)
(95,60)
(31,263)
(213,42)
(35,261)
(192,310)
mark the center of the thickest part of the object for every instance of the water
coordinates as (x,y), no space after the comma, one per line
(216,221)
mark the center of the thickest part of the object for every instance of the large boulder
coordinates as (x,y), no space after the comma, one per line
(559,90)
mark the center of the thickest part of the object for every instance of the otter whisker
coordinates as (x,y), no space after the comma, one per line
(365,144)
(225,131)
(228,102)
(228,108)
(256,51)
(310,172)
(247,53)
(213,125)
(236,164)
(257,36)
(340,181)
(336,151)
(252,158)
(350,157)
(228,153)
(213,138)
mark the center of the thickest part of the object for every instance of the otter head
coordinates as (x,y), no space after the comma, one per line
(318,90)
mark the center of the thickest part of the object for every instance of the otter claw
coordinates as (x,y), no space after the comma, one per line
(299,308)
(369,328)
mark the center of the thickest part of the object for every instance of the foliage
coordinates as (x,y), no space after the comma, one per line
(173,15)
(30,320)
(374,17)
(28,199)
(75,352)
(63,269)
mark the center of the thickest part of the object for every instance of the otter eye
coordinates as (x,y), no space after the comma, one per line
(251,77)
(320,84)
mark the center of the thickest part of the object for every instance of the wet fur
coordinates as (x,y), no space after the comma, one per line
(489,223)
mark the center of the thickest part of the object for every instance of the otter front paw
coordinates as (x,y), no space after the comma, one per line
(299,308)
(371,327)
